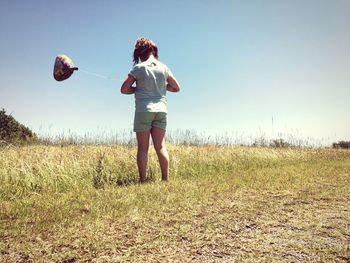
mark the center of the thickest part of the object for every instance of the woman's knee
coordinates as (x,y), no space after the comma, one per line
(142,150)
(160,148)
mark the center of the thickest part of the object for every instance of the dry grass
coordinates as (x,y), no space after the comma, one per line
(222,204)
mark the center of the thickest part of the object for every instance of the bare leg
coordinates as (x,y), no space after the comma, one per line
(158,137)
(142,153)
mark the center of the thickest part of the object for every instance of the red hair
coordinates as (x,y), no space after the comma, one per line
(143,49)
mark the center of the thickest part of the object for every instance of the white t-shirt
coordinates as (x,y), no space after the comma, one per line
(151,80)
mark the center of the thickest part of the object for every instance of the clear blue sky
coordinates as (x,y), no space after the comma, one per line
(239,63)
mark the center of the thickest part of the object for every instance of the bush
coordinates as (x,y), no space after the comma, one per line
(11,131)
(342,145)
(279,143)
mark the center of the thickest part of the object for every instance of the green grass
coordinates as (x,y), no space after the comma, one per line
(222,204)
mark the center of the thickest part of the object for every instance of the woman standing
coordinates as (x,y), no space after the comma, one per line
(153,79)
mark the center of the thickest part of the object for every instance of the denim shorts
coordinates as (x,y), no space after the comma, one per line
(144,121)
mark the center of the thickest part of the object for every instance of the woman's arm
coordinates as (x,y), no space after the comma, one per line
(173,85)
(126,87)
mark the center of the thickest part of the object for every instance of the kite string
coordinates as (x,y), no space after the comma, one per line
(97,75)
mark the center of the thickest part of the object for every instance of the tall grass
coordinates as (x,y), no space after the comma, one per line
(59,169)
(184,137)
(64,200)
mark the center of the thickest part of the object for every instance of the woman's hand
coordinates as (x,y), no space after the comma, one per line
(126,87)
(173,85)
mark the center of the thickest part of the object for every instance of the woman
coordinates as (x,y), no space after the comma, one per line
(153,79)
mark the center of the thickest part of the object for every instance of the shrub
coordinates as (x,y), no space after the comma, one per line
(279,143)
(11,131)
(342,145)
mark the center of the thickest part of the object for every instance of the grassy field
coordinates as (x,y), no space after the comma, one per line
(222,204)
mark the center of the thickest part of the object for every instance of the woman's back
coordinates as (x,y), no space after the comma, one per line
(151,76)
(151,83)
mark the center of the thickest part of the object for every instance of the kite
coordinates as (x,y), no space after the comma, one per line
(64,68)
